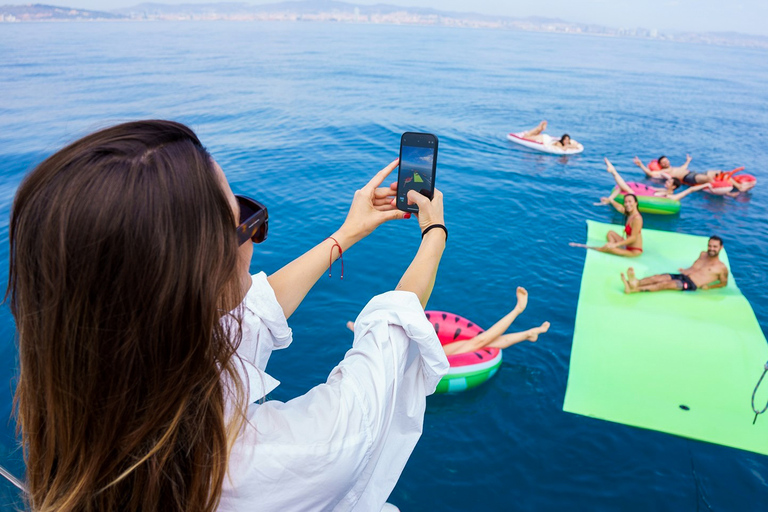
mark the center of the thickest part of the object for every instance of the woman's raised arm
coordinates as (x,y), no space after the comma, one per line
(371,207)
(420,276)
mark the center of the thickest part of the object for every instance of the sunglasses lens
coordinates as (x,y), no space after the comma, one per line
(261,233)
(246,212)
(253,221)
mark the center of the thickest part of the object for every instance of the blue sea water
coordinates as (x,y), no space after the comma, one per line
(299,115)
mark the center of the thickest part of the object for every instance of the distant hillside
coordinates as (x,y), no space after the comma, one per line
(302,8)
(40,12)
(343,12)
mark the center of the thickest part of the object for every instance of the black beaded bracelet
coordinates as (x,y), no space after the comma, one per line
(436,226)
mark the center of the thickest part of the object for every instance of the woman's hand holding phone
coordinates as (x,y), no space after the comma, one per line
(430,212)
(371,207)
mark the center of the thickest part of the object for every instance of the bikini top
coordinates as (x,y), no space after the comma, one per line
(628,227)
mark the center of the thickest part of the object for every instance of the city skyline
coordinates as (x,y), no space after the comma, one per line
(744,16)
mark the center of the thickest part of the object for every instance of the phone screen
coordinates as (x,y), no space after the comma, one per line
(418,162)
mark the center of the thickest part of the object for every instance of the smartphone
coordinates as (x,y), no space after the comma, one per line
(418,163)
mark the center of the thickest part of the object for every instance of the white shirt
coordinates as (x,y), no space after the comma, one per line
(342,445)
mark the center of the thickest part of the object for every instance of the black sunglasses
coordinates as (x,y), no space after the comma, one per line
(254,220)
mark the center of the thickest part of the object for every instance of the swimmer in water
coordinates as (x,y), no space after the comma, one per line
(495,337)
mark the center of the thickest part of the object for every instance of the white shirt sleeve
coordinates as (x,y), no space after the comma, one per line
(343,445)
(264,329)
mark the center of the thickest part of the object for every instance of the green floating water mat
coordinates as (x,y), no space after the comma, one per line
(684,363)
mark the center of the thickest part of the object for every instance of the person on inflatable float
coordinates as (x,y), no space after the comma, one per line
(682,173)
(536,135)
(495,337)
(670,185)
(660,169)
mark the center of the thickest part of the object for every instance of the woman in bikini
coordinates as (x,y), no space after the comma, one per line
(632,245)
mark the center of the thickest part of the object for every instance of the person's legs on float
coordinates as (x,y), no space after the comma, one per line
(531,134)
(486,338)
(620,251)
(510,339)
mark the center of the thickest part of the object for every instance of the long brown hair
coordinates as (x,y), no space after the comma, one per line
(122,259)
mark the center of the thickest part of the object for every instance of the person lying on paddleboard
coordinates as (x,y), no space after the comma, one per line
(706,273)
(537,135)
(495,337)
(670,185)
(633,226)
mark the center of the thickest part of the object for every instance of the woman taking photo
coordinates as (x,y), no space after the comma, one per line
(143,340)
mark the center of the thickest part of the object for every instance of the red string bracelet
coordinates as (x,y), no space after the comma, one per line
(330,258)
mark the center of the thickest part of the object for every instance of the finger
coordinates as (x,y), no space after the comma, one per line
(384,200)
(392,215)
(379,177)
(383,192)
(393,186)
(385,207)
(415,197)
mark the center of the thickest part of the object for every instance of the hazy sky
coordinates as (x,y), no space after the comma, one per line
(746,16)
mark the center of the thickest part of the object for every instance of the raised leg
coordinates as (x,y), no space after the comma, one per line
(616,176)
(516,337)
(485,338)
(536,131)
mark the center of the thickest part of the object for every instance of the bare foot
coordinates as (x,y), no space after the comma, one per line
(632,278)
(533,334)
(522,299)
(609,166)
(626,284)
(543,125)
(351,326)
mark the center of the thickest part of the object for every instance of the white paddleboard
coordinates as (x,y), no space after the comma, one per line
(547,146)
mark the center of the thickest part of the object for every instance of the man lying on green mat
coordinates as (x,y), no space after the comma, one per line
(706,270)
